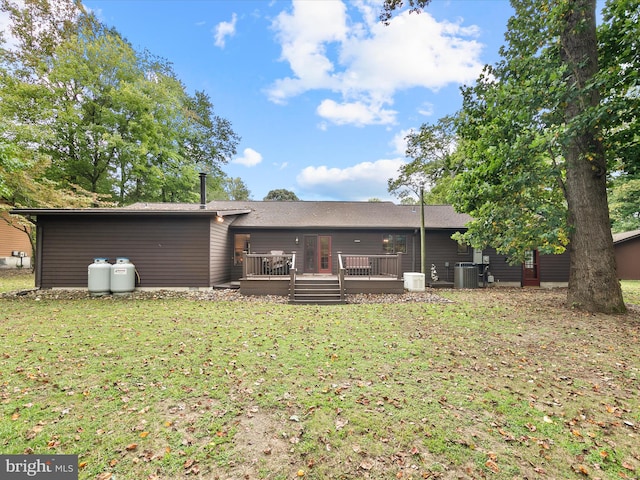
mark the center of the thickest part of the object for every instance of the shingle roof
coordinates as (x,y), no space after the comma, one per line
(305,214)
(623,237)
(301,214)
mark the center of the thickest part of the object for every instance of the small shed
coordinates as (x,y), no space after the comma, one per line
(627,251)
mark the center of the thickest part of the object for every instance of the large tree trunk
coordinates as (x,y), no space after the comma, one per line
(593,282)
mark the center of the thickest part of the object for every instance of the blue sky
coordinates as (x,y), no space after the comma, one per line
(321,93)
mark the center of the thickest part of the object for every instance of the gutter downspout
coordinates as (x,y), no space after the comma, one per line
(423,251)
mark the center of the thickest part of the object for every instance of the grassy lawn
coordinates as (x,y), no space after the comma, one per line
(499,383)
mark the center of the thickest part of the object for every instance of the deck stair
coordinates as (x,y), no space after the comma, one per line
(317,290)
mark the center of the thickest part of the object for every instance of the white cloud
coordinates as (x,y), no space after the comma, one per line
(399,141)
(224,30)
(426,109)
(249,158)
(359,182)
(355,113)
(304,35)
(365,63)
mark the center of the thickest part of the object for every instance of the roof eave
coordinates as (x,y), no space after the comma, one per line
(38,212)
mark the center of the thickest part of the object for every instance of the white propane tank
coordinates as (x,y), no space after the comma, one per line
(123,276)
(99,277)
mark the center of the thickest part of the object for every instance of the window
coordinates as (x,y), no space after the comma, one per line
(529,259)
(394,244)
(463,249)
(241,244)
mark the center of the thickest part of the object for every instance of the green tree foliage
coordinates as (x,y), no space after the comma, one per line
(624,204)
(619,77)
(112,120)
(433,166)
(531,132)
(227,188)
(620,66)
(281,195)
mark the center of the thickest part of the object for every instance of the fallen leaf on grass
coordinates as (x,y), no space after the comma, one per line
(366,465)
(582,469)
(628,466)
(506,436)
(31,434)
(104,476)
(341,423)
(131,447)
(493,466)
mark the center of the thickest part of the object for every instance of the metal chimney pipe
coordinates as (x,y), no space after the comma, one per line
(203,190)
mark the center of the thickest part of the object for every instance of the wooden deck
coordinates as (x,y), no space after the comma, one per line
(277,274)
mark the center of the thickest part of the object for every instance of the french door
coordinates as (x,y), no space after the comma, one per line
(317,254)
(531,269)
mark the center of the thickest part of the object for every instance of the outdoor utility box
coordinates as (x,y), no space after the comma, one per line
(414,282)
(465,275)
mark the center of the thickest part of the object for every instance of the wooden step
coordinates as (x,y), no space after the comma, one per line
(317,291)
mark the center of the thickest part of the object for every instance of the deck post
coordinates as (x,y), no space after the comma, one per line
(399,272)
(292,284)
(244,264)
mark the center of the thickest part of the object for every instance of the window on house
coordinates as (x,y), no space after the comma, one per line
(394,244)
(529,259)
(241,244)
(463,249)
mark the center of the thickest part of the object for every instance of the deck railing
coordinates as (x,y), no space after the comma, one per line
(371,265)
(283,265)
(268,264)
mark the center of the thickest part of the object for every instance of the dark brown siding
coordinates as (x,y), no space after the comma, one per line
(348,242)
(221,251)
(628,259)
(500,268)
(167,251)
(554,268)
(441,250)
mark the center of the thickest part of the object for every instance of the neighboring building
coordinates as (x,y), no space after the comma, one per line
(627,251)
(202,246)
(15,247)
